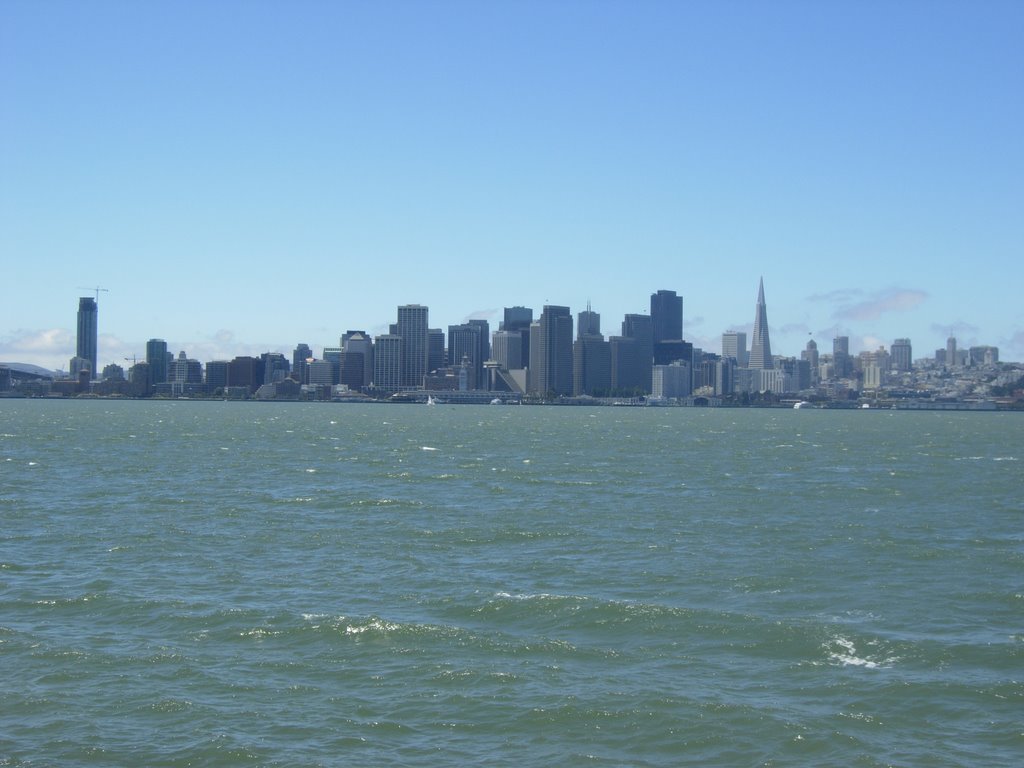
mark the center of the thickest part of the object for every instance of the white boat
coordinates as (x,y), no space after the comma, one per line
(497,401)
(431,400)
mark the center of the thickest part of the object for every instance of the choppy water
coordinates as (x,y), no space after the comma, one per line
(311,584)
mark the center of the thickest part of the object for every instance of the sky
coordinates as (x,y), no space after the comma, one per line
(239,177)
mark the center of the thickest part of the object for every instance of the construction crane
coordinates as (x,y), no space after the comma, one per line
(97,289)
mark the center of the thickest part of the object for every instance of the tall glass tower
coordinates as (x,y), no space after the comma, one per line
(88,313)
(760,346)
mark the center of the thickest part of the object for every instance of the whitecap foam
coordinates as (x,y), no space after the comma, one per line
(844,653)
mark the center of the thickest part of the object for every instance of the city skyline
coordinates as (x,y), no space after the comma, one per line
(307,168)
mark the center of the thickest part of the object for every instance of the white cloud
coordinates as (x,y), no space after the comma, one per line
(892,300)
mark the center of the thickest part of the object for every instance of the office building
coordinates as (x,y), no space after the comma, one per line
(507,349)
(301,356)
(734,345)
(760,345)
(666,316)
(413,330)
(436,359)
(551,352)
(360,343)
(901,354)
(842,363)
(156,359)
(670,382)
(591,364)
(85,348)
(641,329)
(387,361)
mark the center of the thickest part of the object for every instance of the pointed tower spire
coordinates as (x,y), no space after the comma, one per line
(760,346)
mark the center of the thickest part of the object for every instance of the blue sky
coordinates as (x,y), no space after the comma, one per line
(244,176)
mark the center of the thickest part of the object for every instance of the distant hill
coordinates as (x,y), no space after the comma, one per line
(30,370)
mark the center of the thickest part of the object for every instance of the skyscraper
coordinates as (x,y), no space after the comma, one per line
(156,358)
(551,352)
(760,346)
(412,329)
(842,363)
(667,316)
(641,329)
(734,345)
(87,324)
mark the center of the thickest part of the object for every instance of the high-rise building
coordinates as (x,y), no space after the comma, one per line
(588,323)
(734,345)
(810,354)
(951,356)
(641,329)
(414,332)
(625,365)
(591,365)
(516,319)
(435,349)
(760,346)
(666,316)
(551,352)
(156,359)
(902,355)
(465,342)
(217,374)
(519,320)
(301,356)
(360,343)
(842,363)
(507,349)
(387,361)
(87,332)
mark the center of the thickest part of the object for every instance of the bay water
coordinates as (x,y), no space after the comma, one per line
(240,584)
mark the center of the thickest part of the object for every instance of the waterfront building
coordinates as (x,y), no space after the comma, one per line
(88,314)
(436,359)
(507,349)
(666,316)
(413,330)
(551,352)
(333,356)
(465,345)
(760,345)
(156,359)
(275,367)
(387,361)
(641,328)
(591,365)
(301,356)
(518,320)
(671,381)
(320,372)
(113,372)
(734,345)
(624,361)
(217,374)
(350,370)
(360,343)
(244,371)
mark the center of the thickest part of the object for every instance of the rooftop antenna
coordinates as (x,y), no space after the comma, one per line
(97,289)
